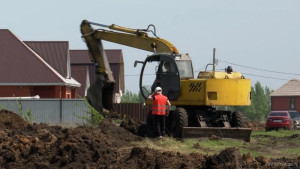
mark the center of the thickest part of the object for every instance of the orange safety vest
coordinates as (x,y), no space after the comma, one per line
(159,104)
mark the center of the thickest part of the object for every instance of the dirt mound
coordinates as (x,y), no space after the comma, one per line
(10,120)
(115,133)
(228,158)
(42,146)
(135,127)
(25,145)
(255,125)
(148,158)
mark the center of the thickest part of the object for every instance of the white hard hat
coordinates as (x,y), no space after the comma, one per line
(158,89)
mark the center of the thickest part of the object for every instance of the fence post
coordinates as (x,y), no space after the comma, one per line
(60,110)
(21,105)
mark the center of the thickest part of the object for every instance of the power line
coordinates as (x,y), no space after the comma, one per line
(198,70)
(266,77)
(259,68)
(242,73)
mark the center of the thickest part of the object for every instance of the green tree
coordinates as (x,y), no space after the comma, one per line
(267,93)
(130,97)
(260,103)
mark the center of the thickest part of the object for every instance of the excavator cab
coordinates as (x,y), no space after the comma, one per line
(170,69)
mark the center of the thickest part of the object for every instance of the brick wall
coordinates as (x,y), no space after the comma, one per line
(15,91)
(42,91)
(283,103)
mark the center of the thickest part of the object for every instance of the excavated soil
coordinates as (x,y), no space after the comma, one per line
(24,145)
(135,127)
(254,125)
(9,120)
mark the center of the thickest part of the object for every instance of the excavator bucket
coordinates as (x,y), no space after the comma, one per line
(100,96)
(221,132)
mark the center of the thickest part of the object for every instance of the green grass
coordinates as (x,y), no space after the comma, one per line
(167,144)
(188,145)
(295,151)
(216,146)
(273,144)
(274,133)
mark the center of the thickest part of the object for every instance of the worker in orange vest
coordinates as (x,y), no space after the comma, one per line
(160,109)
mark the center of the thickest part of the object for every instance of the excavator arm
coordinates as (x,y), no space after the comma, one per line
(100,94)
(136,38)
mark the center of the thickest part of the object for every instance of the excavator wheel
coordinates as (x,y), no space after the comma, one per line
(179,120)
(237,119)
(149,125)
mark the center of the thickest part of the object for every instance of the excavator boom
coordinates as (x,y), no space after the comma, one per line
(100,94)
(136,38)
(143,42)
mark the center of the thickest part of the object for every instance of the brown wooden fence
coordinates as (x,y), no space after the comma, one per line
(137,111)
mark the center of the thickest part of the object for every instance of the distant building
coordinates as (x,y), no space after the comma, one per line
(287,97)
(83,70)
(33,68)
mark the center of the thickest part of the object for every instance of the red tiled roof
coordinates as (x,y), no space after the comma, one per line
(81,74)
(55,53)
(82,56)
(20,65)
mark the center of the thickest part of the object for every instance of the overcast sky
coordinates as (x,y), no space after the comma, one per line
(248,35)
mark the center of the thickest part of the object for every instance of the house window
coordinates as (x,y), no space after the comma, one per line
(292,104)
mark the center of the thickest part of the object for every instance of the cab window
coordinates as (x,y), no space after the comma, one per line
(185,69)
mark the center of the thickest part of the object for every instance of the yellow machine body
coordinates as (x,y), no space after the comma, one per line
(222,89)
(214,92)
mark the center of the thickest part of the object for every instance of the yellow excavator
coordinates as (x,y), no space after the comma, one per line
(196,99)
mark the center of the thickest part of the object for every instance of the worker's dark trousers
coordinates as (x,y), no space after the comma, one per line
(159,122)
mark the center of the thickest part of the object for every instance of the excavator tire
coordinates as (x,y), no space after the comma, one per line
(179,120)
(237,119)
(149,125)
